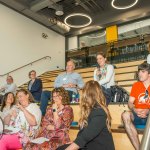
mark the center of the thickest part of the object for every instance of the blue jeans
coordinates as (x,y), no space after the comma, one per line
(138,120)
(70,95)
(107,94)
(45,97)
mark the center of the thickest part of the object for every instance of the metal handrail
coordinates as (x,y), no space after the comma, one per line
(45,57)
(145,144)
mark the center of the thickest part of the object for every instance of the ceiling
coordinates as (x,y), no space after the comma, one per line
(101,12)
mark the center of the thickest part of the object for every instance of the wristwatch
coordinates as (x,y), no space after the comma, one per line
(54,110)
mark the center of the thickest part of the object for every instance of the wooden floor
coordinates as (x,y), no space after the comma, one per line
(120,137)
(115,110)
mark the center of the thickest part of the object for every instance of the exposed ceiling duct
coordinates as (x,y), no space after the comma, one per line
(46,13)
(58,8)
(89,5)
(37,5)
(40,4)
(59,24)
(79,2)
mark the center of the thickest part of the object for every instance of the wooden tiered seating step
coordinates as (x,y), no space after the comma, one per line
(129,64)
(124,76)
(114,128)
(120,137)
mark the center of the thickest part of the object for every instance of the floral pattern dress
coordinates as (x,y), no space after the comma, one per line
(60,134)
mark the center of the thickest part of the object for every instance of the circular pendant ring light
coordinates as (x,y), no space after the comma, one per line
(125,7)
(80,15)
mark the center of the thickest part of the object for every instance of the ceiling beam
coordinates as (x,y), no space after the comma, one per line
(90,4)
(83,5)
(99,6)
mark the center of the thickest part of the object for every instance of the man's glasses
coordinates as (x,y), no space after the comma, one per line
(146,94)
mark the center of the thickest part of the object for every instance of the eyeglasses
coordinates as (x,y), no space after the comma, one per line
(146,94)
(56,96)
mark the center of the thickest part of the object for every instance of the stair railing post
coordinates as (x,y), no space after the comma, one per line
(145,143)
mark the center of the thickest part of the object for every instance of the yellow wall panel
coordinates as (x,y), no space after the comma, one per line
(111,34)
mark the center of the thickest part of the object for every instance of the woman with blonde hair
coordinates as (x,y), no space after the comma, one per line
(95,121)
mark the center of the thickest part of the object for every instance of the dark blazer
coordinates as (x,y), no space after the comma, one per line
(96,135)
(36,89)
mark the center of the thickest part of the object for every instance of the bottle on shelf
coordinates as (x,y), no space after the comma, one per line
(73,97)
(77,98)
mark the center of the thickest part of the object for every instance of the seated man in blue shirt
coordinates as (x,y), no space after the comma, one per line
(70,80)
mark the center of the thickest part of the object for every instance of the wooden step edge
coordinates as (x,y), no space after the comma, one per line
(115,128)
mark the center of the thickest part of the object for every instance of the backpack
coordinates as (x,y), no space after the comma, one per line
(119,94)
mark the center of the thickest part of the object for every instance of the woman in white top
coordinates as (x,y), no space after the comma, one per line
(104,74)
(26,120)
(8,105)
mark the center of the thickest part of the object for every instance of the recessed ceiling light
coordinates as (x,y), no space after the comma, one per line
(125,7)
(80,15)
(59,12)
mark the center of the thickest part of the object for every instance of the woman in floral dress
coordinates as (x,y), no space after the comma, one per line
(56,123)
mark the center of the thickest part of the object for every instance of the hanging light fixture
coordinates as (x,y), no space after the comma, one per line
(124,7)
(98,36)
(78,15)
